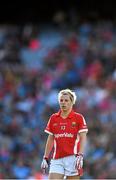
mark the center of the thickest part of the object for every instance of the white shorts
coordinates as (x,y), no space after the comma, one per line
(64,166)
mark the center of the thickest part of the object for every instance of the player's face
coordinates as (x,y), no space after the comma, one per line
(65,103)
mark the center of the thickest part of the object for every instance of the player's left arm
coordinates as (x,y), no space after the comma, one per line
(79,157)
(82,133)
(83,139)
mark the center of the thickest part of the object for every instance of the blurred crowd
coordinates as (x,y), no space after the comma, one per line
(36,61)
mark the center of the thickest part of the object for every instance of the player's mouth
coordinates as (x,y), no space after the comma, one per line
(63,107)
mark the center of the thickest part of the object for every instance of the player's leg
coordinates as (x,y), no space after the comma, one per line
(56,170)
(73,177)
(69,164)
(56,176)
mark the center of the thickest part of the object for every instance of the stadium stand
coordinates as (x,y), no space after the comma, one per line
(35,62)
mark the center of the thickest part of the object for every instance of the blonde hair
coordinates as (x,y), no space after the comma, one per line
(69,92)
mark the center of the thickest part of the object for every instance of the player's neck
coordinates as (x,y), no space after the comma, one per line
(64,114)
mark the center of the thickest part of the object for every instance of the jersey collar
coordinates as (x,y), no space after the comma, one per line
(71,114)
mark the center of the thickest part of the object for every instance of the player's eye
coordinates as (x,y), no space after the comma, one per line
(61,100)
(66,100)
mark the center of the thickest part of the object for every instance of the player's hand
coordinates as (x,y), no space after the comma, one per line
(79,161)
(44,164)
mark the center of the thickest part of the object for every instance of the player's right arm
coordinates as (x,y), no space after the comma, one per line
(49,145)
(48,148)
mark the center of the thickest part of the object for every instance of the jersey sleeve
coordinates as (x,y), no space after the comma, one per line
(82,124)
(48,128)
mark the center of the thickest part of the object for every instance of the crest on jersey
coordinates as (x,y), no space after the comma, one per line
(55,124)
(74,124)
(62,127)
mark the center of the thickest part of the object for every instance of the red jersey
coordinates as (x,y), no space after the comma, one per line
(66,133)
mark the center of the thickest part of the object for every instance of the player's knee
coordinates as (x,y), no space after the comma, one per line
(55,176)
(73,177)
